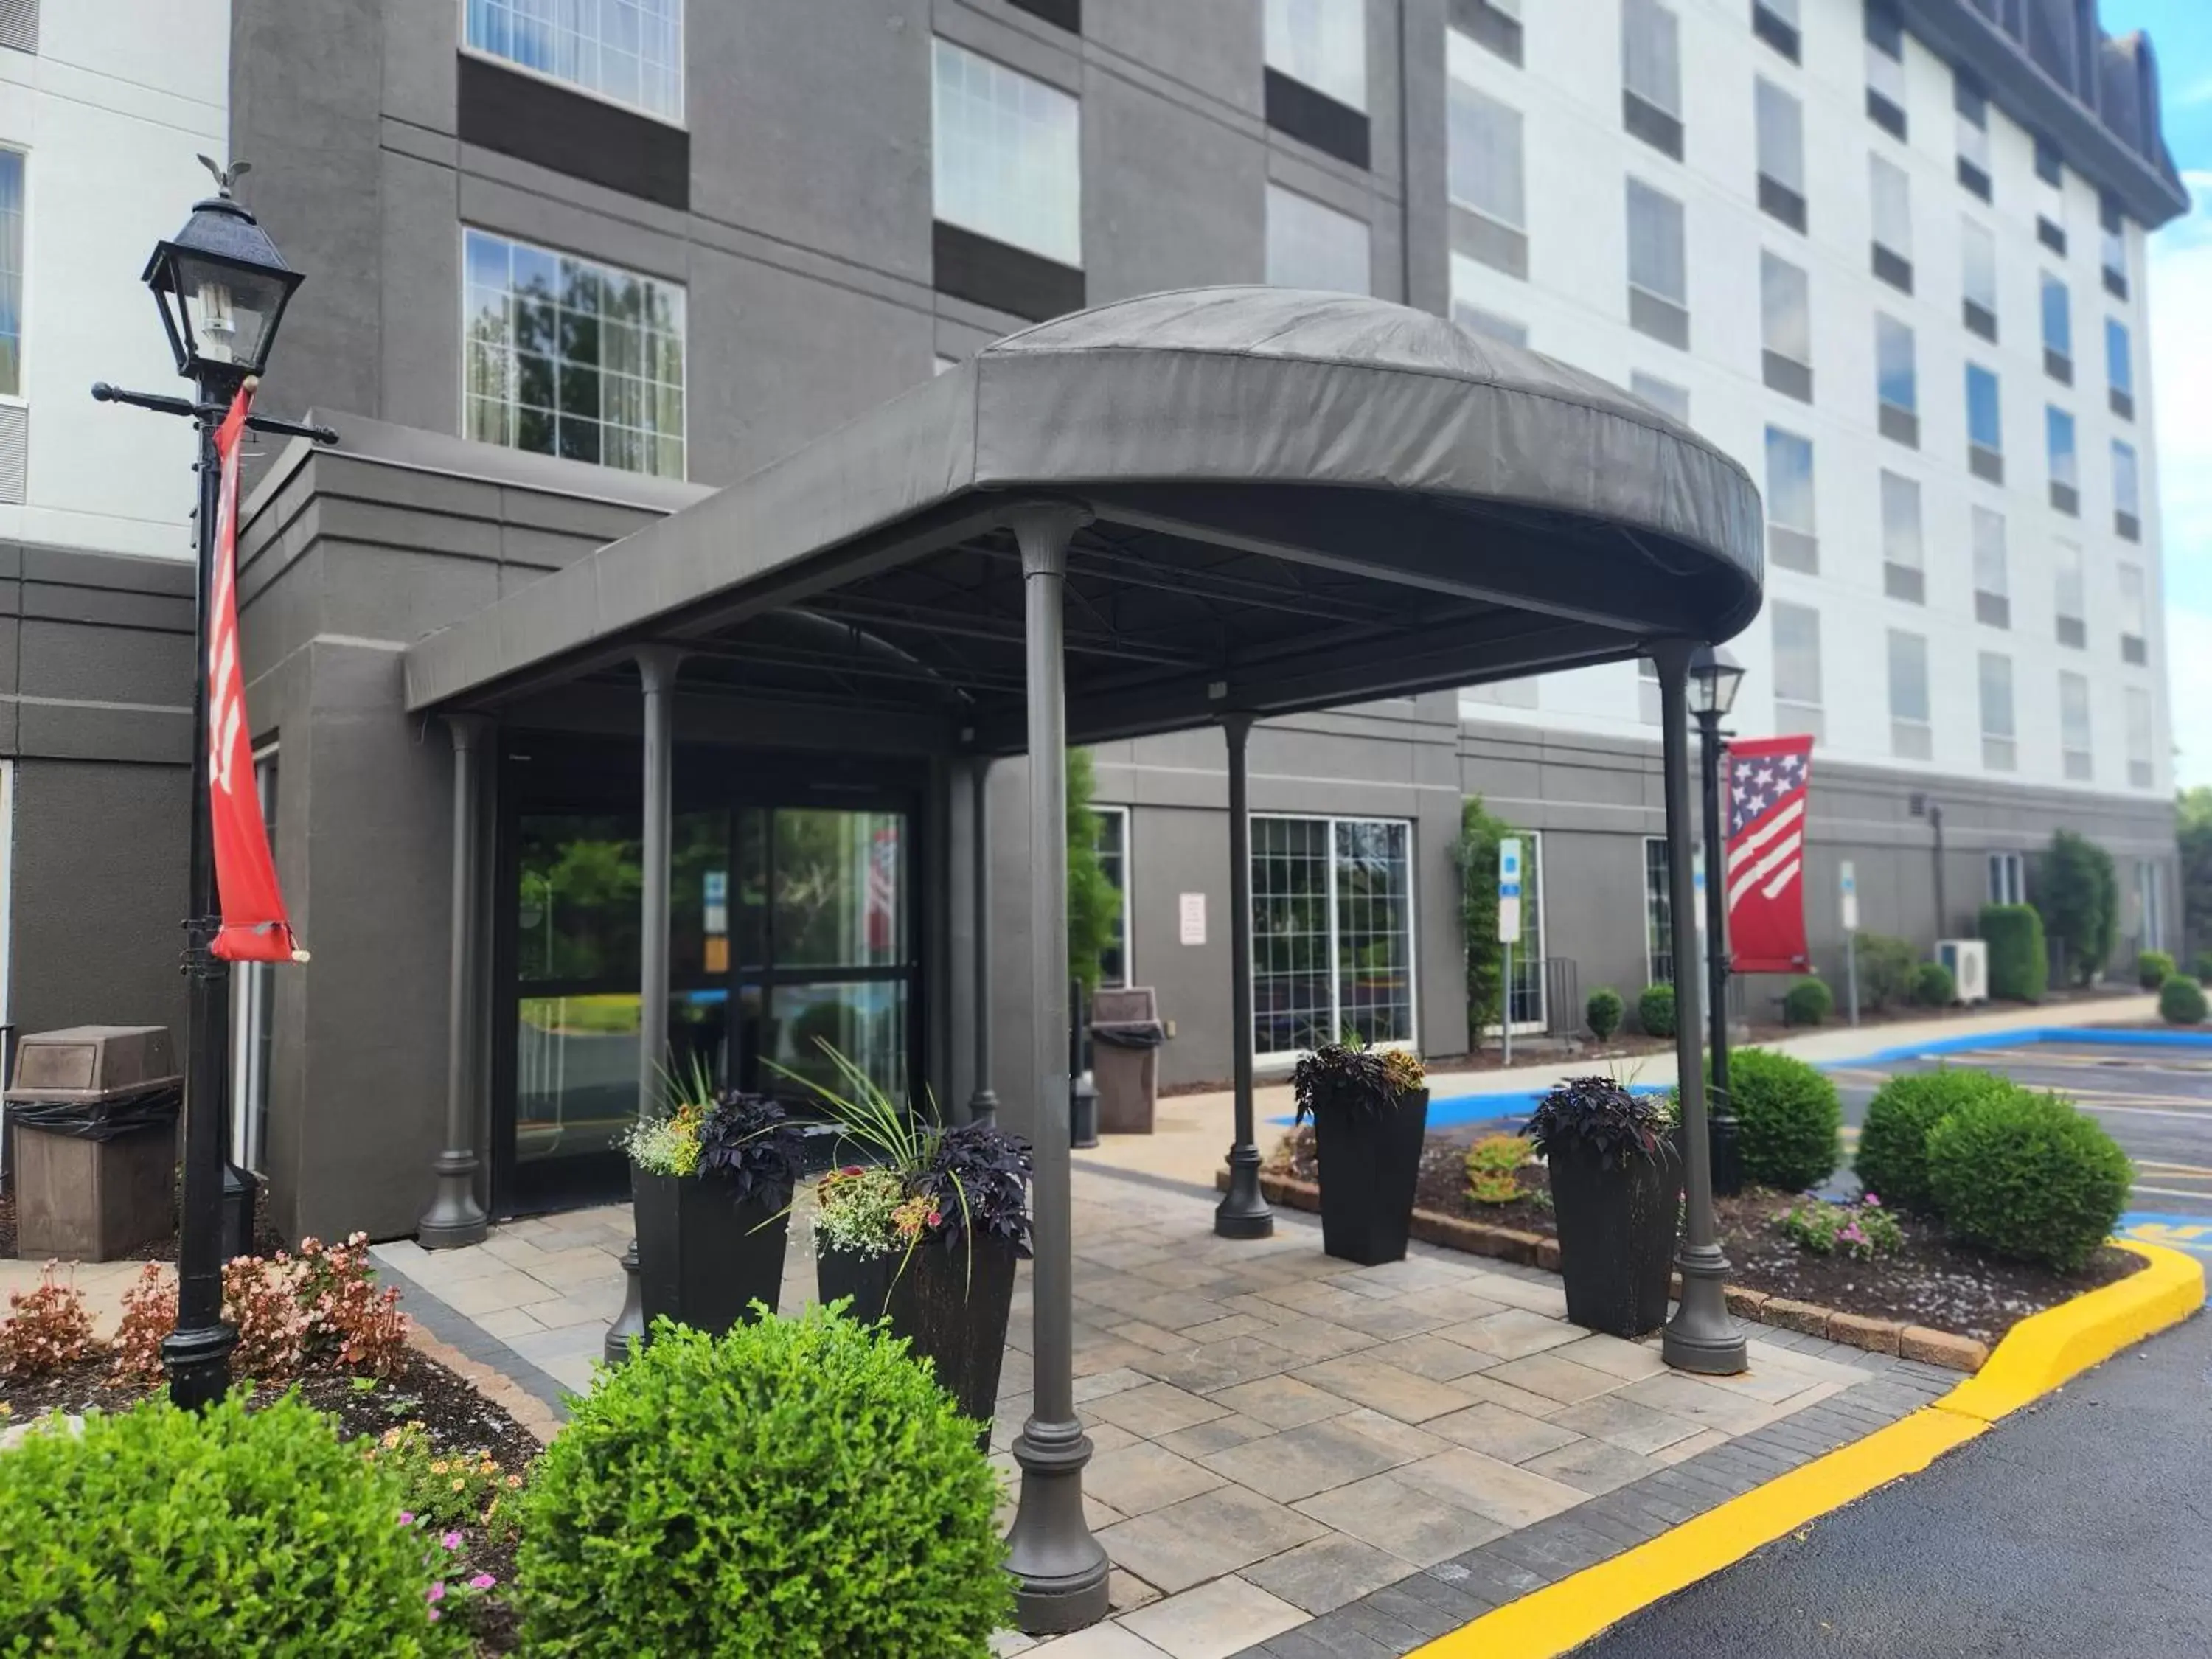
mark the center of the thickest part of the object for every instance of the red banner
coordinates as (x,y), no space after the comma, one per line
(1768,781)
(254,927)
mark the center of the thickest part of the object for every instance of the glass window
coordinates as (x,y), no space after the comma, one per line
(11,273)
(2126,496)
(1114,861)
(252,1022)
(1885,57)
(1893,206)
(1901,550)
(2058,440)
(2120,366)
(1484,161)
(1985,430)
(1797,665)
(629,52)
(1658,914)
(572,358)
(1780,136)
(1786,309)
(2073,745)
(1657,257)
(2070,587)
(2135,614)
(2049,165)
(2114,240)
(1332,932)
(1664,395)
(1311,246)
(1978,258)
(1996,702)
(1007,155)
(2142,745)
(1895,375)
(1992,576)
(1651,55)
(1322,43)
(2008,878)
(1789,480)
(1973,109)
(2058,319)
(1908,696)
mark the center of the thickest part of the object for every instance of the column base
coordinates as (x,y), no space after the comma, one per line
(630,1322)
(983,1107)
(197,1362)
(454,1218)
(1703,1337)
(1243,1211)
(1060,1570)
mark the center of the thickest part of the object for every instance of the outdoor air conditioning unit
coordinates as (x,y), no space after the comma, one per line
(1968,959)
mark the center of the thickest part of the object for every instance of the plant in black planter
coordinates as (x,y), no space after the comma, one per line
(927,1237)
(1616,1176)
(1371,1113)
(715,1179)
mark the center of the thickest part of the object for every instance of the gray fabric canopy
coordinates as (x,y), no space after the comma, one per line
(1252,456)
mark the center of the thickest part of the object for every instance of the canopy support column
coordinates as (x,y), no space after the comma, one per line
(1701,1336)
(454,1218)
(1243,1211)
(656,673)
(983,1103)
(1058,1568)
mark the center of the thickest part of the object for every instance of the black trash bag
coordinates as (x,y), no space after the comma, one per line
(1129,1033)
(100,1120)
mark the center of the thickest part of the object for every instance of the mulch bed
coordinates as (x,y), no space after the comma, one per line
(1933,1282)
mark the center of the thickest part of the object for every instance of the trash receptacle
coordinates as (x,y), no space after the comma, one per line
(1126,1034)
(94,1109)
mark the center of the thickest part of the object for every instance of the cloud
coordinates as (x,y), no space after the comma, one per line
(2189,674)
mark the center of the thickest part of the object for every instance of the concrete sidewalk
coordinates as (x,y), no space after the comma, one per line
(1191,1133)
(1326,1459)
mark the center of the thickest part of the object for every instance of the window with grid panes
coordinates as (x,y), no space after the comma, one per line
(627,51)
(1792,536)
(566,356)
(1658,914)
(1005,154)
(1332,932)
(2000,744)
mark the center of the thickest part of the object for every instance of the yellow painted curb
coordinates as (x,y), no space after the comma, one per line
(2057,1345)
(2037,1355)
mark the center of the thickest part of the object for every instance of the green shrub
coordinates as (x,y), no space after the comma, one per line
(2204,966)
(2026,1175)
(1603,1011)
(1933,986)
(2181,1000)
(2153,968)
(1892,1160)
(1655,1011)
(798,1487)
(2079,895)
(1789,1121)
(2019,960)
(1493,1166)
(1885,965)
(234,1534)
(1808,1002)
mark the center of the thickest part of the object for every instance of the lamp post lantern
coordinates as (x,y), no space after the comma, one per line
(221,287)
(1714,679)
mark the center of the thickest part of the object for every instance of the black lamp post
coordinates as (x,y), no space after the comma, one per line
(221,287)
(1714,678)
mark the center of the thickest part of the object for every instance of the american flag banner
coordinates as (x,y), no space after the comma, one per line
(1768,780)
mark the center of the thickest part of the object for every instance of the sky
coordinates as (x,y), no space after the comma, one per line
(2180,282)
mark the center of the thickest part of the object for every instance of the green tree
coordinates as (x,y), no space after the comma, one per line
(1476,856)
(2193,830)
(2078,895)
(1093,906)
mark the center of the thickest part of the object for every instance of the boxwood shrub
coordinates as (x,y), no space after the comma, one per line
(2028,1175)
(1891,1161)
(1603,1011)
(1808,1002)
(1789,1121)
(798,1487)
(1885,965)
(2181,1000)
(1655,1011)
(2019,961)
(1933,986)
(2153,968)
(235,1533)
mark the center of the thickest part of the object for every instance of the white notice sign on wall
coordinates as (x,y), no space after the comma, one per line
(1192,910)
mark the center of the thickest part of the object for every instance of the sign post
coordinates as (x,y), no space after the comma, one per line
(1509,929)
(1848,881)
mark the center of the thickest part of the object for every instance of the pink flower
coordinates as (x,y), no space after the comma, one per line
(1872,1202)
(437,1591)
(452,1541)
(406,1517)
(483,1581)
(936,1219)
(850,1169)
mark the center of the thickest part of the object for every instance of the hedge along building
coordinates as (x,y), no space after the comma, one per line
(1185,511)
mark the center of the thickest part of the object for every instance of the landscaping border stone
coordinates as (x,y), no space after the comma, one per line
(1889,1336)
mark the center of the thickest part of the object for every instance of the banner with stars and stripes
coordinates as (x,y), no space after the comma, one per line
(1768,780)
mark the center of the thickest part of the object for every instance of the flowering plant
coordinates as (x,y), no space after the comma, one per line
(46,1328)
(1350,1074)
(1860,1231)
(859,1210)
(744,1140)
(1493,1163)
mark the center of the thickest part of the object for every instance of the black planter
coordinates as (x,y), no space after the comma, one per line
(703,1257)
(1617,1237)
(954,1318)
(1369,1162)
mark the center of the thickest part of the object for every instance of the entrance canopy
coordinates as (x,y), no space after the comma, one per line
(1297,501)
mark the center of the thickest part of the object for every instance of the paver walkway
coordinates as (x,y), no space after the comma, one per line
(1289,1450)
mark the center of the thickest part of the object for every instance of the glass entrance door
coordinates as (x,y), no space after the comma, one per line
(791,928)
